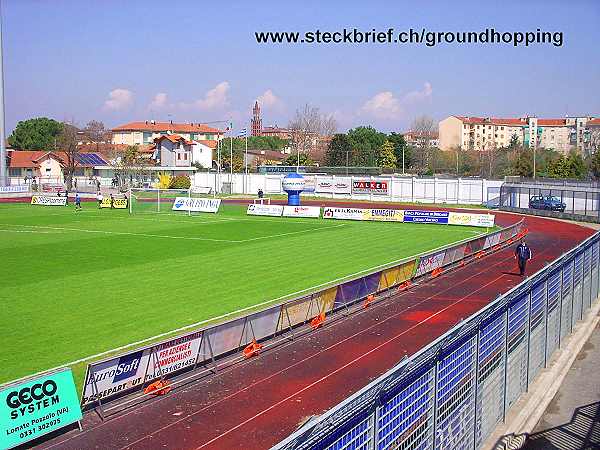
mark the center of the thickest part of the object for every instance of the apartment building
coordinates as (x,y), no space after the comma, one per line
(482,133)
(144,133)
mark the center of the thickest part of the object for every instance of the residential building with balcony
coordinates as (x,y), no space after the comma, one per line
(144,133)
(482,133)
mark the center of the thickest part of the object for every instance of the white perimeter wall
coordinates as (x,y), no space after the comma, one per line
(406,189)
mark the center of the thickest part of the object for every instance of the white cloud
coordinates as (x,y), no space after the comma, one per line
(417,96)
(383,106)
(216,98)
(159,102)
(119,99)
(269,100)
(389,107)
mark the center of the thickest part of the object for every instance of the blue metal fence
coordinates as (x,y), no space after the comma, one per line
(454,392)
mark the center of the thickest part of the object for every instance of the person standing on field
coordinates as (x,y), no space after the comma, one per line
(523,254)
(99,197)
(77,202)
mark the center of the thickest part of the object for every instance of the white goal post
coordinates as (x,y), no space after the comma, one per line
(177,201)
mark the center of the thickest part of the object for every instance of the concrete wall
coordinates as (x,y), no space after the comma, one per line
(406,189)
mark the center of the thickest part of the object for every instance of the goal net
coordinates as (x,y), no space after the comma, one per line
(167,201)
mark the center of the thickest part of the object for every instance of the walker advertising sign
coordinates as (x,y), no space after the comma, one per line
(418,216)
(187,204)
(33,408)
(302,211)
(265,210)
(43,200)
(343,213)
(115,376)
(375,187)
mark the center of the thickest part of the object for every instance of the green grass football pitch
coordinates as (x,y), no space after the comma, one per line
(76,284)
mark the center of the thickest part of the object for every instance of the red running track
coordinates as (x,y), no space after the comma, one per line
(255,404)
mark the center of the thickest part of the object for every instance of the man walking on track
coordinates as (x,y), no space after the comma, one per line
(523,254)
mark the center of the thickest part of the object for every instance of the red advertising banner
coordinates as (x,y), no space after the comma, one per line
(376,187)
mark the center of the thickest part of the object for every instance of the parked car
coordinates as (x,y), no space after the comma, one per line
(549,203)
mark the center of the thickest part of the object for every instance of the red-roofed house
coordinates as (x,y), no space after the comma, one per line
(482,133)
(48,166)
(140,133)
(173,150)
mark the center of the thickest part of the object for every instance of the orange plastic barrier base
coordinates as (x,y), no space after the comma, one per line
(317,321)
(370,298)
(404,286)
(252,349)
(160,387)
(437,272)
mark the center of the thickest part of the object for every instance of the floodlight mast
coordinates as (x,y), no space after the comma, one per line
(3,158)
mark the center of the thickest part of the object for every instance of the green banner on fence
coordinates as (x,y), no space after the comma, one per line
(37,406)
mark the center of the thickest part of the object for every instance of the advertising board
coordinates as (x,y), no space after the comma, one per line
(174,355)
(43,200)
(418,216)
(37,406)
(333,185)
(301,211)
(116,203)
(343,213)
(187,204)
(115,376)
(265,210)
(375,187)
(383,215)
(473,220)
(16,188)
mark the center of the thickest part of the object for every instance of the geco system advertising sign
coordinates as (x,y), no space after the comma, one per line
(37,406)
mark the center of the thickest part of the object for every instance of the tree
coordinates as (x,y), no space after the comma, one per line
(292,160)
(94,131)
(595,164)
(238,163)
(424,128)
(385,156)
(67,144)
(365,143)
(35,134)
(338,151)
(524,163)
(401,150)
(576,164)
(307,126)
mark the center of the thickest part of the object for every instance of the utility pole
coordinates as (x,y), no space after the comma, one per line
(3,168)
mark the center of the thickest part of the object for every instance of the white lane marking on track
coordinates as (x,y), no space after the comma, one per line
(282,370)
(289,367)
(339,369)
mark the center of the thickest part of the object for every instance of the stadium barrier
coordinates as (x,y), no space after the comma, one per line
(454,392)
(112,378)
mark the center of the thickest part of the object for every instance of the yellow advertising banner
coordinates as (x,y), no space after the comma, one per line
(116,203)
(383,215)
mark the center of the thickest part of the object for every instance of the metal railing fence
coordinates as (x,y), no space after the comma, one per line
(454,392)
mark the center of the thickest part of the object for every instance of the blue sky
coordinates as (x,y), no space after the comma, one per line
(198,61)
